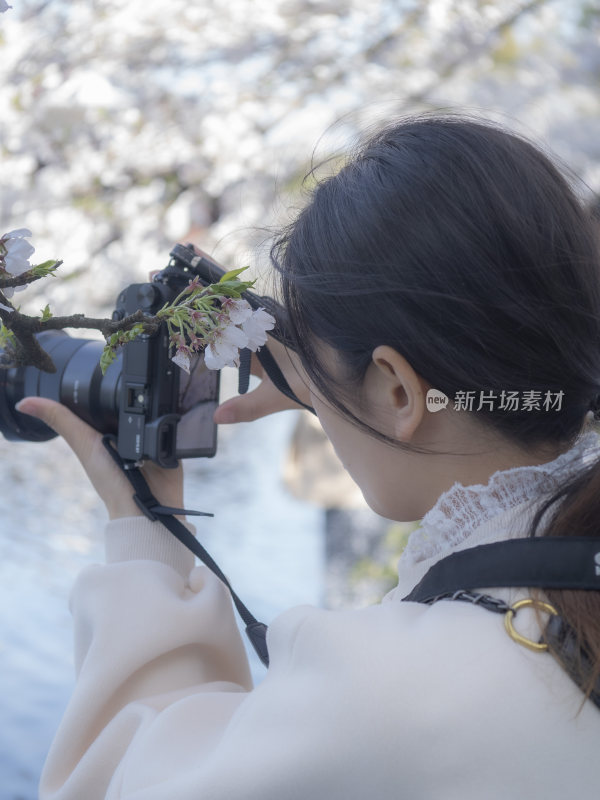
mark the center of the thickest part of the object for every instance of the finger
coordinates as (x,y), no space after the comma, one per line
(261,402)
(80,436)
(199,251)
(256,368)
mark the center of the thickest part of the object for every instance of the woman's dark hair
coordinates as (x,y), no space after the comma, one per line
(463,247)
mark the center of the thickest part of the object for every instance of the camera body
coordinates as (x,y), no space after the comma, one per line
(156,396)
(149,381)
(156,410)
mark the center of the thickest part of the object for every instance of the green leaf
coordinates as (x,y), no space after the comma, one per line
(108,356)
(116,339)
(234,288)
(132,333)
(7,337)
(46,313)
(233,273)
(45,268)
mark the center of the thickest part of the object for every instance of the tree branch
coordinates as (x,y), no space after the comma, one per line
(8,281)
(25,350)
(472,51)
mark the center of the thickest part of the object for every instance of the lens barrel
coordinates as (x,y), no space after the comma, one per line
(78,383)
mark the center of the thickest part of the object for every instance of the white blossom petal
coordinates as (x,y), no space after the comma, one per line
(182,359)
(18,251)
(16,266)
(4,6)
(211,358)
(20,248)
(18,233)
(229,353)
(219,355)
(255,328)
(223,351)
(232,336)
(239,311)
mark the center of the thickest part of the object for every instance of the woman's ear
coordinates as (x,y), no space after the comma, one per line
(397,390)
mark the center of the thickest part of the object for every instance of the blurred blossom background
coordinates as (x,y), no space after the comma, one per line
(127,125)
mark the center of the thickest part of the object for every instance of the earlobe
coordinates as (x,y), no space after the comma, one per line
(402,390)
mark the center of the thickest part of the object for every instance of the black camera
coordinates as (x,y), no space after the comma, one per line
(156,410)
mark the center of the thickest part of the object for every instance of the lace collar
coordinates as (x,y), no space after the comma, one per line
(460,510)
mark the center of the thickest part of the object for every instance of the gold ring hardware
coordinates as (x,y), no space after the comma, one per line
(508,622)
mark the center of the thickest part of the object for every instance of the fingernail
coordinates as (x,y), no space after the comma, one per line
(224,416)
(22,406)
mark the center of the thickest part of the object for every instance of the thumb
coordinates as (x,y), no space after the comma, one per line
(260,402)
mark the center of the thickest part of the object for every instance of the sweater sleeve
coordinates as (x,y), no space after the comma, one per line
(149,630)
(163,704)
(394,700)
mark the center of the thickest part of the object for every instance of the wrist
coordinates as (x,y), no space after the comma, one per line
(123,509)
(137,538)
(131,509)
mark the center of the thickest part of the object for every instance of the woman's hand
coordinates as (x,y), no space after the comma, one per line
(107,479)
(266,398)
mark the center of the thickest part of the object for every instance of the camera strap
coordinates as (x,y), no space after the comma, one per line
(540,562)
(271,367)
(149,505)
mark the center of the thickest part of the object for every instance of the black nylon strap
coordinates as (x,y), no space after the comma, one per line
(545,563)
(145,500)
(255,630)
(277,377)
(563,639)
(244,370)
(571,562)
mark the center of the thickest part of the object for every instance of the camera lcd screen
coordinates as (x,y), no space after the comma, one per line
(198,399)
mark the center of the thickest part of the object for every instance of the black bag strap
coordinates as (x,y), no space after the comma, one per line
(543,562)
(145,500)
(567,562)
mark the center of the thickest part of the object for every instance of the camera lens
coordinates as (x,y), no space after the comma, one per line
(78,383)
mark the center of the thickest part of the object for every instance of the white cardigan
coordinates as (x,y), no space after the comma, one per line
(397,700)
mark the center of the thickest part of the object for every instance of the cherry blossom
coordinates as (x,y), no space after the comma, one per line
(15,253)
(223,351)
(182,358)
(238,310)
(256,327)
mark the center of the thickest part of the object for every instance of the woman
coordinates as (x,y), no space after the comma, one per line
(446,255)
